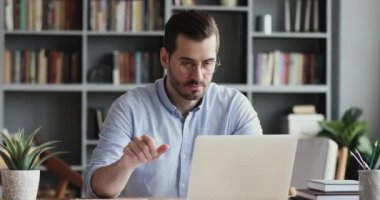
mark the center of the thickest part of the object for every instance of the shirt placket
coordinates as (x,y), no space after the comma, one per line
(184,156)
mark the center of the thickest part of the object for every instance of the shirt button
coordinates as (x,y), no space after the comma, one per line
(184,156)
(182,185)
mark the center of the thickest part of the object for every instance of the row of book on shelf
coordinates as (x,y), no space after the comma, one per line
(305,12)
(330,190)
(41,66)
(40,15)
(134,67)
(289,68)
(125,15)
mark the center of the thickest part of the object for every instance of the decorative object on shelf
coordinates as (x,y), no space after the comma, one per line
(264,23)
(100,74)
(229,3)
(188,2)
(350,134)
(21,179)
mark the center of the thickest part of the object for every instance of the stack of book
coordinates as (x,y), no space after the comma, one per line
(330,189)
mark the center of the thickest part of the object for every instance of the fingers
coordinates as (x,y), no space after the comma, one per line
(151,143)
(162,149)
(144,150)
(137,151)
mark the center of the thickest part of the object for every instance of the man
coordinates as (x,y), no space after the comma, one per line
(147,141)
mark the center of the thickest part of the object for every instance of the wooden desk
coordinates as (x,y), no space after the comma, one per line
(140,199)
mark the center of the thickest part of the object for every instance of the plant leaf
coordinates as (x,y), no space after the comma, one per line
(352,115)
(8,161)
(37,151)
(39,162)
(364,145)
(31,136)
(11,148)
(24,159)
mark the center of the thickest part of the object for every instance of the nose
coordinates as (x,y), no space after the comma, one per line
(197,72)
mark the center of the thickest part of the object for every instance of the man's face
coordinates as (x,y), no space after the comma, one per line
(191,84)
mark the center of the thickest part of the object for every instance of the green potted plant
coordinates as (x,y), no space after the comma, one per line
(349,133)
(21,179)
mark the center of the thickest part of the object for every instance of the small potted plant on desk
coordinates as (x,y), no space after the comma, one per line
(21,179)
(350,134)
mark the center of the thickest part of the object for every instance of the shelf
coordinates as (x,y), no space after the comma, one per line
(217,8)
(240,87)
(43,88)
(115,33)
(92,142)
(64,109)
(290,89)
(47,32)
(289,35)
(111,87)
(73,167)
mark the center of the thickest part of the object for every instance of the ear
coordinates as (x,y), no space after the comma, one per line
(164,58)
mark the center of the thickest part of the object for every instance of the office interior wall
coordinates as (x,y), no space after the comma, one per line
(359,59)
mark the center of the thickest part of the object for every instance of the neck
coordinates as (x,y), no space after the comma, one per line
(183,105)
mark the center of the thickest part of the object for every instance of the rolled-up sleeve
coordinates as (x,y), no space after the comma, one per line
(246,119)
(116,134)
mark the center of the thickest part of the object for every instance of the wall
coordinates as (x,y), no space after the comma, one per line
(359,59)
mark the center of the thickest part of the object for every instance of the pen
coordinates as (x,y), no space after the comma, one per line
(373,155)
(360,157)
(360,163)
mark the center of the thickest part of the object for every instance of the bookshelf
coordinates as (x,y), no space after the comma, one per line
(62,109)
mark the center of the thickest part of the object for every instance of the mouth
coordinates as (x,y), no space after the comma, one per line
(195,86)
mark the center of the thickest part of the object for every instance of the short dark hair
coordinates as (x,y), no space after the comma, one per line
(196,25)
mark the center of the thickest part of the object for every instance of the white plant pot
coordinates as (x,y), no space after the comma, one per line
(20,184)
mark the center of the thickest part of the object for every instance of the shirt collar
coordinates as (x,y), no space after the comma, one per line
(164,98)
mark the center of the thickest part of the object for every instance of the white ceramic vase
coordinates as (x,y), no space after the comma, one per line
(229,3)
(20,184)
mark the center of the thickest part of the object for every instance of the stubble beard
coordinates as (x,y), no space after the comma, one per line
(188,96)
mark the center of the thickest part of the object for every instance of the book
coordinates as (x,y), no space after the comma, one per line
(334,185)
(297,22)
(306,27)
(316,16)
(116,68)
(287,15)
(9,15)
(8,67)
(319,195)
(303,109)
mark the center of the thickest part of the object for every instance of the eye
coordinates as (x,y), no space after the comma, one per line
(188,64)
(209,64)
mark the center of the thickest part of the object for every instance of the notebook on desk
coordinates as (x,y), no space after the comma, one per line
(242,167)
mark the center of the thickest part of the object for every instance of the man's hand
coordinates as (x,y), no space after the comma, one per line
(142,150)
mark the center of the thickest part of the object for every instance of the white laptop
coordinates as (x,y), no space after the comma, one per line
(242,167)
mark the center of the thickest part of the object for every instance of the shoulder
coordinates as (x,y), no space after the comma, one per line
(227,94)
(137,96)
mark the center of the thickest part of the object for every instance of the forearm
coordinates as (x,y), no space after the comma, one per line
(110,180)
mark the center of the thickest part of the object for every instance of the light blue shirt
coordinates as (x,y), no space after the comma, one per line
(148,110)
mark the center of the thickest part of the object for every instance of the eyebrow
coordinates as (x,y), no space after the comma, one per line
(190,59)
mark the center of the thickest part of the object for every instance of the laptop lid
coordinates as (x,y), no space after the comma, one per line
(242,167)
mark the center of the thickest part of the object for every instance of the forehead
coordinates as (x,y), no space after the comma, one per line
(186,46)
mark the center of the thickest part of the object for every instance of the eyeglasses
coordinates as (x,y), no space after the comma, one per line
(208,67)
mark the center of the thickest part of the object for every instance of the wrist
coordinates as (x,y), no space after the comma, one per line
(127,164)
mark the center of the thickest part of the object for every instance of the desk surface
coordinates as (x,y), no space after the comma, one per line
(142,199)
